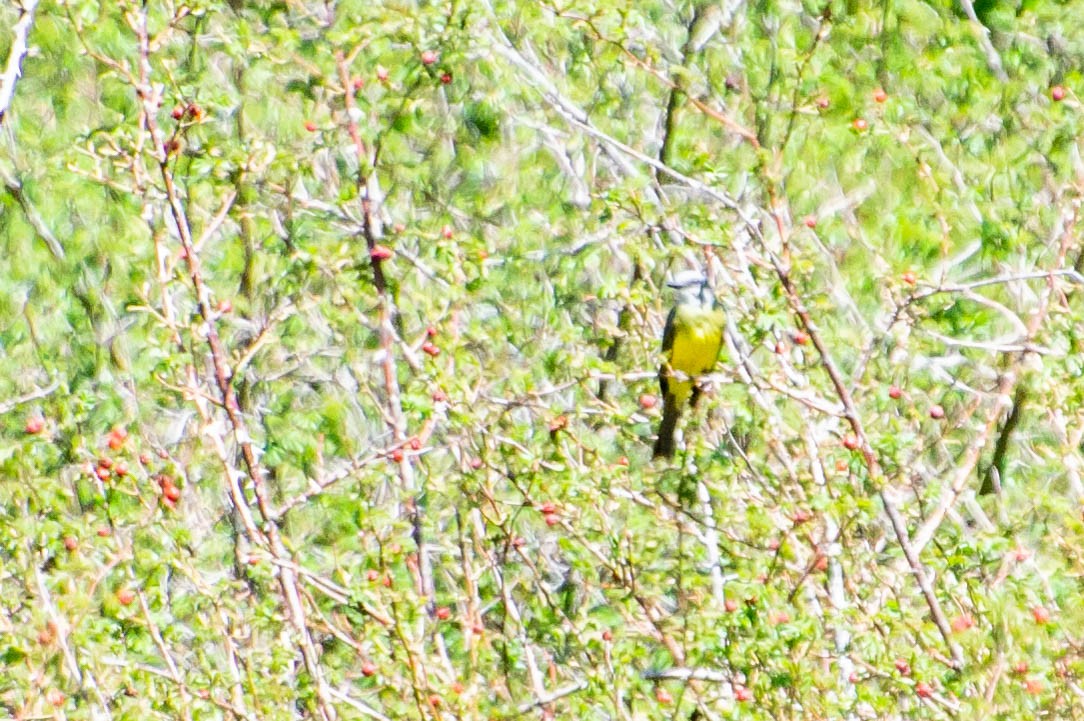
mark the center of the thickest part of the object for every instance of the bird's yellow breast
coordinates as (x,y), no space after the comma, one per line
(698,338)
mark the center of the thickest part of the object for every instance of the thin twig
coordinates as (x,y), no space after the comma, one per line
(15,190)
(552,696)
(1070,273)
(992,58)
(869,456)
(223,378)
(14,403)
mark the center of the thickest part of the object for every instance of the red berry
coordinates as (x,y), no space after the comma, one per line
(126,596)
(446,78)
(551,519)
(35,424)
(1040,614)
(430,349)
(777,617)
(558,424)
(439,396)
(444,613)
(1020,668)
(431,331)
(194,111)
(429,57)
(457,687)
(860,124)
(548,508)
(310,126)
(434,700)
(415,443)
(1058,92)
(372,575)
(519,542)
(225,305)
(103,474)
(623,461)
(397,455)
(923,689)
(447,232)
(810,221)
(908,277)
(850,442)
(382,73)
(879,95)
(743,694)
(962,622)
(381,252)
(841,465)
(730,605)
(937,412)
(823,102)
(104,532)
(663,696)
(55,697)
(648,401)
(607,635)
(398,228)
(895,393)
(116,438)
(1033,686)
(476,463)
(171,492)
(903,667)
(801,337)
(71,543)
(178,112)
(358,83)
(821,563)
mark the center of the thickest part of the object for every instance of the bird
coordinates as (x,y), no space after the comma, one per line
(691,342)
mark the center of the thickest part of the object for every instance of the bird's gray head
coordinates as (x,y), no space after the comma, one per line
(691,286)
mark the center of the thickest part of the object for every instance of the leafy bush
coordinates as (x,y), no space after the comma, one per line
(329,336)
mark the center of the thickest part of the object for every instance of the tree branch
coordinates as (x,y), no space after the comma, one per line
(16,53)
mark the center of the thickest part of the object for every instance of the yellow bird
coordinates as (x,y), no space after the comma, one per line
(691,342)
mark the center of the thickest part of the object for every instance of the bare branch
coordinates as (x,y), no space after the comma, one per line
(16,53)
(15,190)
(14,403)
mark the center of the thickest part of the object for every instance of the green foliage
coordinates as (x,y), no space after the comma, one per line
(423,247)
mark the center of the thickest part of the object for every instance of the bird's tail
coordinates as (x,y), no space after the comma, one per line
(671,411)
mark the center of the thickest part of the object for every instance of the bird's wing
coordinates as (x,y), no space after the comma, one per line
(668,333)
